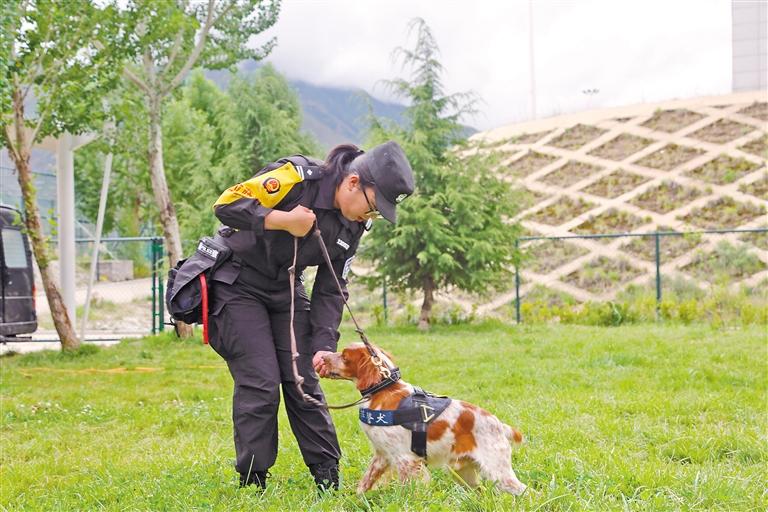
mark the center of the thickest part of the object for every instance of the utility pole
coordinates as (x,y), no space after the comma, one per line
(532,67)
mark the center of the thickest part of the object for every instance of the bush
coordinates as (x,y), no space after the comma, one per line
(683,303)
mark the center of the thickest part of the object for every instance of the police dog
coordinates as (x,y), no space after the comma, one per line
(469,440)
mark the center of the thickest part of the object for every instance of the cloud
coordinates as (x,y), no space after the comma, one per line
(630,51)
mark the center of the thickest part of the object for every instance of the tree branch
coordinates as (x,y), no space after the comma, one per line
(175,50)
(192,59)
(135,79)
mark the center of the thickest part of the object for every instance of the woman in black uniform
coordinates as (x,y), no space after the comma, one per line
(249,315)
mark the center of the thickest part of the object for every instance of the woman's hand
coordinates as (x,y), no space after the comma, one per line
(319,364)
(297,222)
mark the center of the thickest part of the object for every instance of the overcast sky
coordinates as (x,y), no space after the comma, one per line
(630,50)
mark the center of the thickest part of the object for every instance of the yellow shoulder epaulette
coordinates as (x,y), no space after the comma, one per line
(269,188)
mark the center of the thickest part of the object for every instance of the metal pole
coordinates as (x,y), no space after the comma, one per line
(517,280)
(658,276)
(532,67)
(97,241)
(154,284)
(384,297)
(160,286)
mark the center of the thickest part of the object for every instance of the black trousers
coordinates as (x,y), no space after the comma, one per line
(249,329)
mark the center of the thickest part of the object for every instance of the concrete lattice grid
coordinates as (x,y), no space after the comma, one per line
(674,165)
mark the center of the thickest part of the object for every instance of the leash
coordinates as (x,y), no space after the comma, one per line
(387,373)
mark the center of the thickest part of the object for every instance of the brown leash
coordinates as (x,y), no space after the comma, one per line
(383,368)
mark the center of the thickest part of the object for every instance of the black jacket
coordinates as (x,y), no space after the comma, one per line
(282,186)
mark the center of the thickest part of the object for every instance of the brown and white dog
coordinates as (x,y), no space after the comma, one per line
(469,440)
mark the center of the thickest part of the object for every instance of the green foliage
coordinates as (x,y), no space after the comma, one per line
(213,139)
(64,58)
(269,119)
(682,303)
(168,31)
(452,231)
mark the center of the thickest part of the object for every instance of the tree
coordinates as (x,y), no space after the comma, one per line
(257,121)
(214,138)
(269,114)
(52,55)
(168,40)
(454,230)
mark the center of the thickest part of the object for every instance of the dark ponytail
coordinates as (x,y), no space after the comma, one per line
(338,160)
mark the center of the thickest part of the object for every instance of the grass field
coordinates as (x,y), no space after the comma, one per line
(642,417)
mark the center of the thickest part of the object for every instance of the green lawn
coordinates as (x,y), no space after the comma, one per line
(643,417)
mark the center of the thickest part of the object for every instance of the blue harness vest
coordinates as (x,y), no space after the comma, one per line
(414,412)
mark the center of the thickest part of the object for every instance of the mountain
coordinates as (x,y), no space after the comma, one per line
(333,115)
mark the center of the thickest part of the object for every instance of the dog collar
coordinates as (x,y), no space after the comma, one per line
(394,377)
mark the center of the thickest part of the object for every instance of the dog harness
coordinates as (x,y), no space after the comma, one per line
(414,412)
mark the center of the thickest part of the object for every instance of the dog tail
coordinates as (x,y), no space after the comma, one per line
(512,434)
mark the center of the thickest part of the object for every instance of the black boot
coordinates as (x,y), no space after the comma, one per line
(326,474)
(254,478)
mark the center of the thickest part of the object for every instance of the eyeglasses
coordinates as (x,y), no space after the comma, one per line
(372,212)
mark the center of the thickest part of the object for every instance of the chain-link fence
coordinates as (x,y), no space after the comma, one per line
(126,297)
(698,275)
(608,278)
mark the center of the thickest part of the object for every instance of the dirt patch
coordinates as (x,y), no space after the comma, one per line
(722,131)
(670,247)
(758,188)
(723,170)
(621,147)
(671,121)
(602,274)
(758,110)
(666,197)
(610,221)
(561,211)
(615,184)
(758,147)
(576,136)
(529,163)
(669,157)
(723,213)
(544,256)
(569,174)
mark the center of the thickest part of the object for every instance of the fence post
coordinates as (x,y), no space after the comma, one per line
(384,298)
(517,280)
(160,285)
(658,276)
(153,253)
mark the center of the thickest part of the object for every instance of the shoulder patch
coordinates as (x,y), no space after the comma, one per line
(268,188)
(271,185)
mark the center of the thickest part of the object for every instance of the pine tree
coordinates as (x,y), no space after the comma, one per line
(455,230)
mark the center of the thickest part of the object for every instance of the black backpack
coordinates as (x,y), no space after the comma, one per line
(184,292)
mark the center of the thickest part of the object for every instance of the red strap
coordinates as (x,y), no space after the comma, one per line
(204,291)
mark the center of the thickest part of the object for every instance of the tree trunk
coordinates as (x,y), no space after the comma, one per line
(20,151)
(168,219)
(426,306)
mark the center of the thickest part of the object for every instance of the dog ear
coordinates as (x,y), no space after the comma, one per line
(367,373)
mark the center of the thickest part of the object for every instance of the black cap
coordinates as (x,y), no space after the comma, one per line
(387,167)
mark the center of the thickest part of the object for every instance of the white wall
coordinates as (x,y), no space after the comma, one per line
(750,27)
